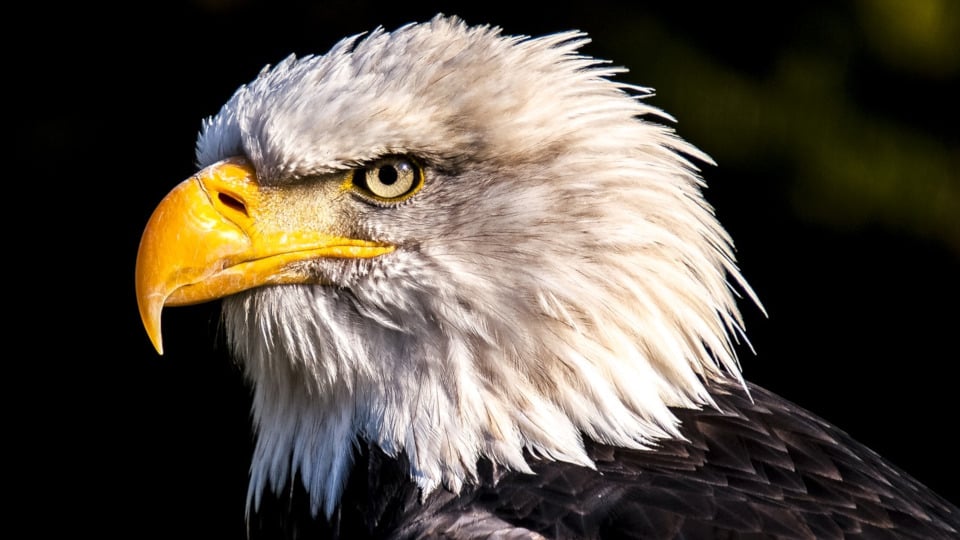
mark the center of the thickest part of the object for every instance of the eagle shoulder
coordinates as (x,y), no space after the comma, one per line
(757,466)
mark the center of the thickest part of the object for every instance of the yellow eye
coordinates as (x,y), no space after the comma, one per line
(389,179)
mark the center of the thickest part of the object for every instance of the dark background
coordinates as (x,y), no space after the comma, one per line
(834,126)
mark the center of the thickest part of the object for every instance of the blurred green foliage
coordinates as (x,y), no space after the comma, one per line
(853,157)
(920,36)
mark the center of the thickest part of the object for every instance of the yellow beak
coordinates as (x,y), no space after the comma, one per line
(219,233)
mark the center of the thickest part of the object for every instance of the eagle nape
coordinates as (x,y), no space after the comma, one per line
(476,290)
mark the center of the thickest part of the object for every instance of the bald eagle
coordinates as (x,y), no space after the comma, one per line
(477,292)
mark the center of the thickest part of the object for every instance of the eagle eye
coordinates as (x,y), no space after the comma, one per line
(390,179)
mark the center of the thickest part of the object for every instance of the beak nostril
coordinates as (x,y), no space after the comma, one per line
(232,202)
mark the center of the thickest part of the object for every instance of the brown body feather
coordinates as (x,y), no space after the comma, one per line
(755,468)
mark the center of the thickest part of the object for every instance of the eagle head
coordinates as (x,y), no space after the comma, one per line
(454,245)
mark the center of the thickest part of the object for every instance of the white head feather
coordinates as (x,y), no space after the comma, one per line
(558,275)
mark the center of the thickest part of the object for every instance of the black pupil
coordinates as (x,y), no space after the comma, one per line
(387,175)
